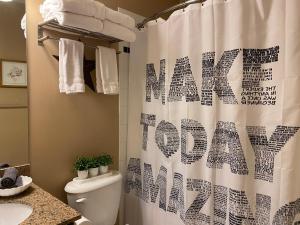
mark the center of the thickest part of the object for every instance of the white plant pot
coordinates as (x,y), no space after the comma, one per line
(93,171)
(83,174)
(103,169)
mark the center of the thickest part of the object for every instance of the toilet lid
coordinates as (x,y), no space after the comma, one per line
(91,184)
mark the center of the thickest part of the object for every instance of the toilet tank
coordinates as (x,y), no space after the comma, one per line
(96,198)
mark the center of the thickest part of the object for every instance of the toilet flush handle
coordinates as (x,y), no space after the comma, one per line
(80,200)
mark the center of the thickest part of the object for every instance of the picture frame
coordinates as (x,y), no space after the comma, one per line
(13,73)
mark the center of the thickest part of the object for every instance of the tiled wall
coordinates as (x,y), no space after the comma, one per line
(123,121)
(123,109)
(123,105)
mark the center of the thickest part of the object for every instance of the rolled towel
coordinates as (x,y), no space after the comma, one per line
(3,165)
(23,25)
(75,20)
(87,8)
(118,31)
(9,178)
(19,183)
(119,18)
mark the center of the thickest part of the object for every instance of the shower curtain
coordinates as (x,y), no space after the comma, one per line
(214,116)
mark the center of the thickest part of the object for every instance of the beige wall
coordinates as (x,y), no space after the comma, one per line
(63,127)
(13,121)
(12,41)
(146,7)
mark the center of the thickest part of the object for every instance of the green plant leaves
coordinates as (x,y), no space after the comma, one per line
(81,163)
(105,160)
(84,163)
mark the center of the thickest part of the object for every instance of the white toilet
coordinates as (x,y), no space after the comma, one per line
(97,198)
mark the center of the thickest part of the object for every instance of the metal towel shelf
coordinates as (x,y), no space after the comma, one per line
(55,26)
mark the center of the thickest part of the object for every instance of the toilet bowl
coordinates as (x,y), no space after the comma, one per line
(97,198)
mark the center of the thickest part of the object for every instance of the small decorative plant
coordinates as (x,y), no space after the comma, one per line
(104,161)
(93,162)
(82,165)
(93,165)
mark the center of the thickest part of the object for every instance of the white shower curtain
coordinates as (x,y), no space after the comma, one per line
(214,116)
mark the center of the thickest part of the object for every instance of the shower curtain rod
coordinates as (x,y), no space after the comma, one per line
(171,9)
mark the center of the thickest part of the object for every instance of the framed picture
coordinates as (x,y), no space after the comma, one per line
(13,73)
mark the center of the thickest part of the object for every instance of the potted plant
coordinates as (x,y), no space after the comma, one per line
(104,161)
(81,166)
(93,166)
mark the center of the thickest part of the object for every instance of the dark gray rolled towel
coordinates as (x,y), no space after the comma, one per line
(3,165)
(9,178)
(19,183)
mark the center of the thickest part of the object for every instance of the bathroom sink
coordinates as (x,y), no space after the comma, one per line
(13,213)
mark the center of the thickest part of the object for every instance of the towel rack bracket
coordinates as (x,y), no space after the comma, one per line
(41,37)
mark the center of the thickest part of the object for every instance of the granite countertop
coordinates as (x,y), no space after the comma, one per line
(46,208)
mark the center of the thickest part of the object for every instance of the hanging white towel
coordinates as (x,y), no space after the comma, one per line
(118,31)
(106,71)
(99,84)
(75,20)
(87,7)
(119,18)
(71,66)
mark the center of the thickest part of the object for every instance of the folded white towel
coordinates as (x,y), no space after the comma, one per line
(99,10)
(119,18)
(71,66)
(75,20)
(118,31)
(106,70)
(87,7)
(89,15)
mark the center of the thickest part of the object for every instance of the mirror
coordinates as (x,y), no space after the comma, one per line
(13,85)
